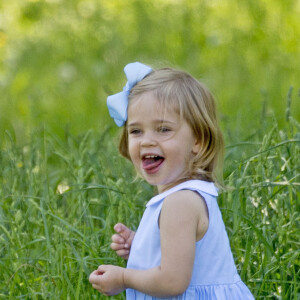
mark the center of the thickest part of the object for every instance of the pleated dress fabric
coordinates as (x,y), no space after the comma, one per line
(214,273)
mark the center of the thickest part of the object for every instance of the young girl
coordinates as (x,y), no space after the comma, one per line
(181,249)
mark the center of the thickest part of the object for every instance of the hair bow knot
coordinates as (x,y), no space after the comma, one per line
(117,104)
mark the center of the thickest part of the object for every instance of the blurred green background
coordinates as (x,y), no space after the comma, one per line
(59,59)
(62,183)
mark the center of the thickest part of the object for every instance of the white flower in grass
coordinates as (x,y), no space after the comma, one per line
(265,211)
(255,201)
(62,187)
(279,290)
(274,204)
(36,169)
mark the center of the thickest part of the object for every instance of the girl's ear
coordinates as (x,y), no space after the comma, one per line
(196,148)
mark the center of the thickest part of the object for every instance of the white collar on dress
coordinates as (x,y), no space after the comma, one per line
(204,186)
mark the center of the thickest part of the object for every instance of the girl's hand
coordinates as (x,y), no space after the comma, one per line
(121,242)
(108,280)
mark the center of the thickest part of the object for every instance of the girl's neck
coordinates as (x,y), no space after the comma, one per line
(163,188)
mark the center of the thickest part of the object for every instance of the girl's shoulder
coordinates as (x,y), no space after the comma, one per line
(187,190)
(184,199)
(187,206)
(185,202)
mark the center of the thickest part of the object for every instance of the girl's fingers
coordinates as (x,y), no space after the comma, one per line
(116,238)
(122,230)
(120,249)
(96,287)
(121,242)
(117,246)
(120,227)
(123,253)
(94,277)
(101,269)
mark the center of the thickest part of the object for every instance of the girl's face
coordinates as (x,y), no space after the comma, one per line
(160,144)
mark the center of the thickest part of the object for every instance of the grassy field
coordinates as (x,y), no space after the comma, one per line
(59,59)
(62,183)
(61,197)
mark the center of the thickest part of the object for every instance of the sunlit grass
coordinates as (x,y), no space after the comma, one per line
(59,61)
(59,201)
(61,192)
(61,197)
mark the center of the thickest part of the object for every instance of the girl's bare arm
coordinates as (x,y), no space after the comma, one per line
(183,221)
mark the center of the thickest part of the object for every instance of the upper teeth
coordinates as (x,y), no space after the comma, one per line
(150,156)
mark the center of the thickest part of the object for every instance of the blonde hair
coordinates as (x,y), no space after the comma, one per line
(195,104)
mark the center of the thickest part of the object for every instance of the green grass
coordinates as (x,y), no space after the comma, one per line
(262,212)
(59,199)
(61,191)
(60,59)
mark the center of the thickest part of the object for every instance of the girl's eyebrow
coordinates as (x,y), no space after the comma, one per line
(158,121)
(165,122)
(133,124)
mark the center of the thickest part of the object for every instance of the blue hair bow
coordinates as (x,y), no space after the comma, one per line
(117,104)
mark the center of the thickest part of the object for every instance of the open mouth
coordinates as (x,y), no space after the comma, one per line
(151,162)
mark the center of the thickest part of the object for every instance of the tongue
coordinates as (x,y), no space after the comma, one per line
(151,163)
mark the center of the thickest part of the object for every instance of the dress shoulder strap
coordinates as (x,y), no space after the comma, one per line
(194,185)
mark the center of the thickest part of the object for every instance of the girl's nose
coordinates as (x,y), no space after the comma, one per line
(148,139)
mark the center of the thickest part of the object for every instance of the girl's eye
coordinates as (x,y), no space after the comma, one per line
(164,129)
(135,131)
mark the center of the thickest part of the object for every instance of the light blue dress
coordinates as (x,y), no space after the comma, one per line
(214,274)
